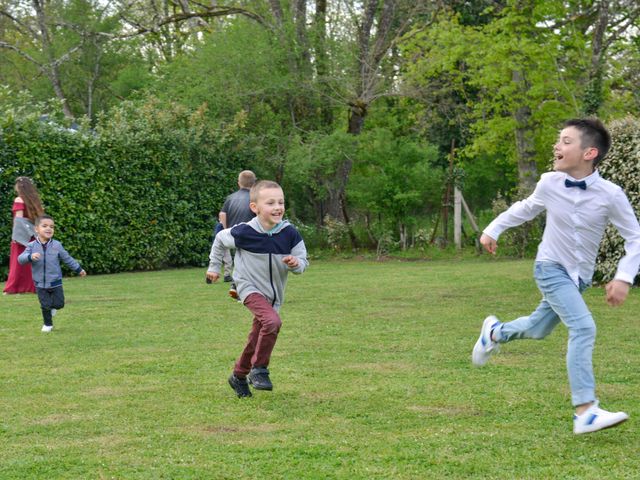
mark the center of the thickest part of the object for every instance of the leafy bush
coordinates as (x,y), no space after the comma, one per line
(139,192)
(521,241)
(337,233)
(395,183)
(622,167)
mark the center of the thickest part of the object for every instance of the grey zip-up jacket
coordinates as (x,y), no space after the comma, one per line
(258,261)
(46,271)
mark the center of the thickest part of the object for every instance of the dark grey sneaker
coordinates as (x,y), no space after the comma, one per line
(240,386)
(228,278)
(259,378)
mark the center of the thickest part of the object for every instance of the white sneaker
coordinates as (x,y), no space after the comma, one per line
(53,312)
(484,347)
(594,419)
(47,328)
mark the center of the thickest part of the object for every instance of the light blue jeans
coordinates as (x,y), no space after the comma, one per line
(561,302)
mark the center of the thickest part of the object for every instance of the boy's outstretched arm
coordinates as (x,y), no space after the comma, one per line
(489,244)
(223,240)
(71,262)
(617,291)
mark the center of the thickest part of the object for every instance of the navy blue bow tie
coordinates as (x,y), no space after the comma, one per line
(581,184)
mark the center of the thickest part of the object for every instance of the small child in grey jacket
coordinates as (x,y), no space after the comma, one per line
(267,249)
(44,253)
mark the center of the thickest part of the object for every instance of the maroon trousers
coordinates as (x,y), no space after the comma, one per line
(262,337)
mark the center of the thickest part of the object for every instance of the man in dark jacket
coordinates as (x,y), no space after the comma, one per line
(236,210)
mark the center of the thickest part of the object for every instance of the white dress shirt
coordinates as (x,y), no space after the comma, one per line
(576,220)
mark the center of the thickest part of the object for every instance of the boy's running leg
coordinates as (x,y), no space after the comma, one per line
(57,298)
(544,319)
(238,379)
(536,326)
(243,364)
(270,324)
(46,300)
(565,298)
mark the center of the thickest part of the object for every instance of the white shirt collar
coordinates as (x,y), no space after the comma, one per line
(589,180)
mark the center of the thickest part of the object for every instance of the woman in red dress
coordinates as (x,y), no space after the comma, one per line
(27,205)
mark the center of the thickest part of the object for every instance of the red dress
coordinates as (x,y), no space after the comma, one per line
(20,279)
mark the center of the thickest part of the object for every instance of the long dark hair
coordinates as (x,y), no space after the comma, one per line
(29,193)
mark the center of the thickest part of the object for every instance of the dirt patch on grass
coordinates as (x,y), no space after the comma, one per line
(444,410)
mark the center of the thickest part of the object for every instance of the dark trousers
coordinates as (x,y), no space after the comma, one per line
(50,298)
(262,337)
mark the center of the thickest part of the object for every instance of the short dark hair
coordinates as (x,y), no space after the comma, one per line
(40,218)
(593,134)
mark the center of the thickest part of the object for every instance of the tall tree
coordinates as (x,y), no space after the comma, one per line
(501,71)
(357,37)
(72,44)
(34,24)
(607,22)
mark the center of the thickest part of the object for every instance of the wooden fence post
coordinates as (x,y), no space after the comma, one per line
(457,217)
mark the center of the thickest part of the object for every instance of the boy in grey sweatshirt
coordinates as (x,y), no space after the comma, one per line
(267,249)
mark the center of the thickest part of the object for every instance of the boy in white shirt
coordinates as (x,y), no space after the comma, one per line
(579,205)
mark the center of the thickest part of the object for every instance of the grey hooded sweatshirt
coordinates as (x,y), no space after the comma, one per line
(258,262)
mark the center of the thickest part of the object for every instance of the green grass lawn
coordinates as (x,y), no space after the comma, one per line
(372,380)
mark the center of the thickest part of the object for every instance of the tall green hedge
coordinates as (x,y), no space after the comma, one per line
(140,191)
(621,166)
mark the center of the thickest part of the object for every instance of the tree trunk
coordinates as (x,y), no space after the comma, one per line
(91,84)
(301,33)
(373,44)
(525,145)
(593,95)
(357,114)
(322,62)
(51,68)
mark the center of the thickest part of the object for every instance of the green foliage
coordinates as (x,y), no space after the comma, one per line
(94,70)
(516,35)
(622,167)
(228,71)
(242,67)
(312,164)
(395,180)
(484,175)
(139,192)
(521,241)
(474,79)
(622,82)
(336,234)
